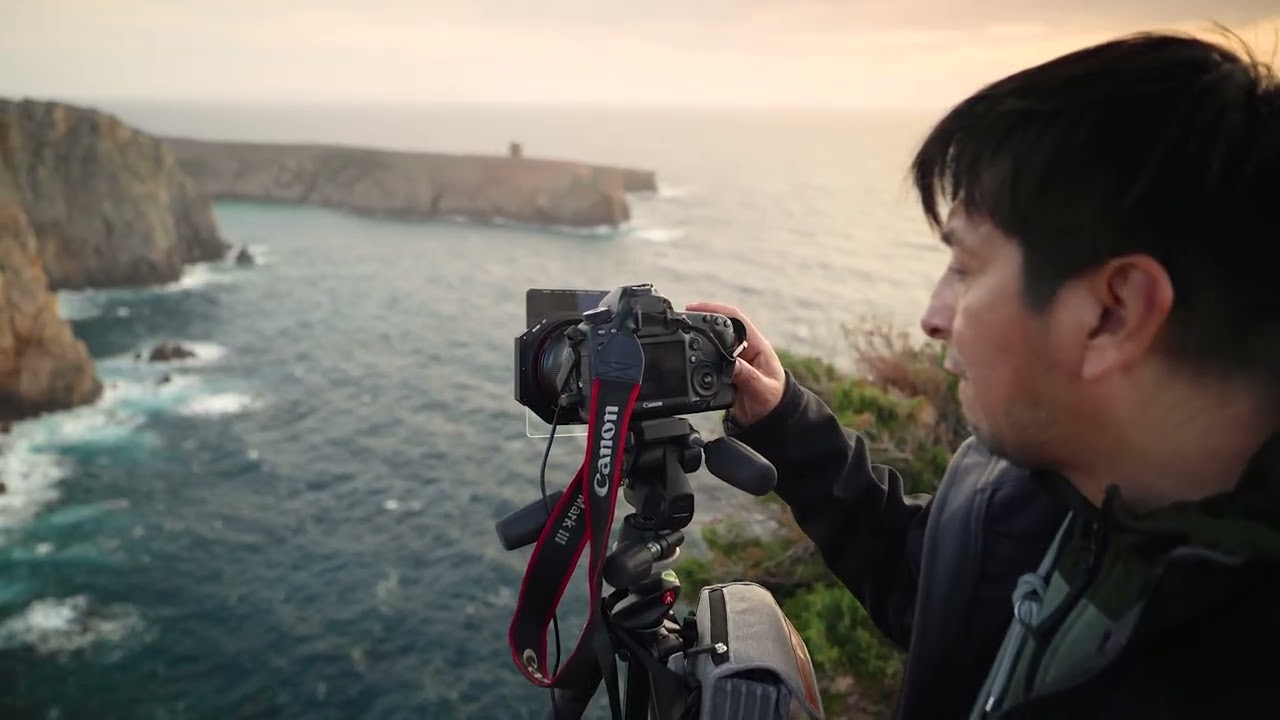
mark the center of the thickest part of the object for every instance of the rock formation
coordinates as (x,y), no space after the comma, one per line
(244,258)
(43,366)
(85,201)
(108,204)
(414,186)
(167,351)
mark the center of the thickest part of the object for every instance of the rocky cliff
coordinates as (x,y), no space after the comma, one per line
(43,367)
(414,186)
(108,204)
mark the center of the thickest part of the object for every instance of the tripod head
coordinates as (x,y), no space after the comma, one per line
(659,456)
(637,615)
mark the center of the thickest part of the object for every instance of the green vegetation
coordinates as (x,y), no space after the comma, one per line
(904,404)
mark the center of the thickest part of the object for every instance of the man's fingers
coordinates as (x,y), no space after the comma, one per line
(713,307)
(755,340)
(747,377)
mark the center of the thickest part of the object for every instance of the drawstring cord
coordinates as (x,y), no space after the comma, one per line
(1028,595)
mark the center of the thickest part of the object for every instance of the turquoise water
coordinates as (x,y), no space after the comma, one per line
(299,523)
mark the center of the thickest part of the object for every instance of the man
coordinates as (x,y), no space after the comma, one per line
(1112,312)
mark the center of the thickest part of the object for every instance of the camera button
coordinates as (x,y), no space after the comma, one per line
(695,343)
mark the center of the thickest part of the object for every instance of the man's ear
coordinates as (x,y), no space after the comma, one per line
(1123,307)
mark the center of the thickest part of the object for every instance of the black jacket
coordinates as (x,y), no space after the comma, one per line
(935,574)
(1169,613)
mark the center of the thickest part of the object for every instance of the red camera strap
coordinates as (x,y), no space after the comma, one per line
(582,518)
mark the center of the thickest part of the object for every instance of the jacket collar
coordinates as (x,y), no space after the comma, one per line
(1242,523)
(1205,554)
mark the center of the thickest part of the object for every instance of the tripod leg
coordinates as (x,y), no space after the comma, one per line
(638,691)
(571,703)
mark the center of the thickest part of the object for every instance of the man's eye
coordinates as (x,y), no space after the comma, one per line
(956,271)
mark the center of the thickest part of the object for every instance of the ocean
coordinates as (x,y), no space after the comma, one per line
(299,522)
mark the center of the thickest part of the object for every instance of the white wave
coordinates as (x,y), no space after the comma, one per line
(205,351)
(219,404)
(204,274)
(76,305)
(32,456)
(88,426)
(667,192)
(54,626)
(30,482)
(581,231)
(658,234)
(125,405)
(193,276)
(132,400)
(89,303)
(589,231)
(31,460)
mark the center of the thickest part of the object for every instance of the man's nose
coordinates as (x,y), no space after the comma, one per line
(933,327)
(936,321)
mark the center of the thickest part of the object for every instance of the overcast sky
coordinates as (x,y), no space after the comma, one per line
(903,53)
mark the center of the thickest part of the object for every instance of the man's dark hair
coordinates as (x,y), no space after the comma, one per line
(1153,143)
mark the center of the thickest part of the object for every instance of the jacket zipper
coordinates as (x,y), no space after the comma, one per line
(719,626)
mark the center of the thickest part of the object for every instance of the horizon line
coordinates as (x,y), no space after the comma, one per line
(92,100)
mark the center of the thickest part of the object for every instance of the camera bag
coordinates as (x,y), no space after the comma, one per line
(751,663)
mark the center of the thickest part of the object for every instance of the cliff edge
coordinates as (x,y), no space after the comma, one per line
(108,204)
(414,186)
(43,366)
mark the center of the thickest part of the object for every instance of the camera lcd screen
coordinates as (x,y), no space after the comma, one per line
(543,302)
(664,371)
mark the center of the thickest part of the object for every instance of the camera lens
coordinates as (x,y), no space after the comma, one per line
(549,363)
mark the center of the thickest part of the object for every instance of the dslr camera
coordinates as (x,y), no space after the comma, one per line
(688,357)
(605,360)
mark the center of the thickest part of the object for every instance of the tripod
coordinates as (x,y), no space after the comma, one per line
(638,615)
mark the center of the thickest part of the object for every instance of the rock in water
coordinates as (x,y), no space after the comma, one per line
(244,258)
(108,204)
(170,351)
(43,366)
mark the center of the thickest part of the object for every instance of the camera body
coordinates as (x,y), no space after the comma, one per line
(689,358)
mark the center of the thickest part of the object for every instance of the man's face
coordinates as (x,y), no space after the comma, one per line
(1001,351)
